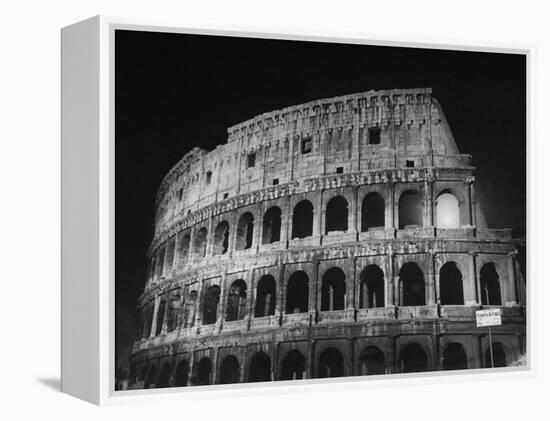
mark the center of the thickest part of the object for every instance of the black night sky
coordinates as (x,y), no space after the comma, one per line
(176,91)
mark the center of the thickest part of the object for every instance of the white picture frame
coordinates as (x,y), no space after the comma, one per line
(88,212)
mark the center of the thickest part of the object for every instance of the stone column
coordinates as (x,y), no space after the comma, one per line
(155,317)
(428,203)
(472,295)
(210,237)
(351,286)
(390,205)
(258,227)
(314,303)
(280,293)
(286,223)
(433,280)
(512,298)
(468,187)
(352,214)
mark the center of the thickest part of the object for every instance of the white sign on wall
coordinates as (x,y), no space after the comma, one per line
(489,317)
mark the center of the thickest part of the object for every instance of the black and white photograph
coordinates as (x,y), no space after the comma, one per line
(290,209)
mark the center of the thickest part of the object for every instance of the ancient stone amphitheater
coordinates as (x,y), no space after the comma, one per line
(339,237)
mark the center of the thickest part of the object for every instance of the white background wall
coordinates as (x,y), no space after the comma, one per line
(30,221)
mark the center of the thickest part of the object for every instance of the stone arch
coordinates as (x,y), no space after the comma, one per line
(413,358)
(451,289)
(490,285)
(500,356)
(260,368)
(333,290)
(271,231)
(236,301)
(265,297)
(293,366)
(302,220)
(164,376)
(373,210)
(190,309)
(447,210)
(336,217)
(410,209)
(148,320)
(182,374)
(204,371)
(230,370)
(411,285)
(160,317)
(210,305)
(221,238)
(199,248)
(150,380)
(297,293)
(183,252)
(372,361)
(172,313)
(455,357)
(245,231)
(331,363)
(371,292)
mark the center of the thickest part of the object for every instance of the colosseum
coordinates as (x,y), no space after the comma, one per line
(340,237)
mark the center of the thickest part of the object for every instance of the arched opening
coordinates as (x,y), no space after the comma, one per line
(150,381)
(169,259)
(210,305)
(499,355)
(182,374)
(336,215)
(200,242)
(371,293)
(203,372)
(331,363)
(372,361)
(148,320)
(230,371)
(413,359)
(221,238)
(490,285)
(454,357)
(297,294)
(294,366)
(450,285)
(272,225)
(190,309)
(411,285)
(447,213)
(245,231)
(302,220)
(265,297)
(183,253)
(164,376)
(236,301)
(333,290)
(159,263)
(171,314)
(410,210)
(160,317)
(260,368)
(372,212)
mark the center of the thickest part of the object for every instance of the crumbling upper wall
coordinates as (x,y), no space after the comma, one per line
(316,138)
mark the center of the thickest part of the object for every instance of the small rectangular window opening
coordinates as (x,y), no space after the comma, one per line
(409,164)
(251,162)
(306,145)
(374,136)
(225,195)
(339,170)
(208,177)
(180,195)
(275,181)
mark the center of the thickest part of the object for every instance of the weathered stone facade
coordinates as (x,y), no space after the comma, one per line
(334,238)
